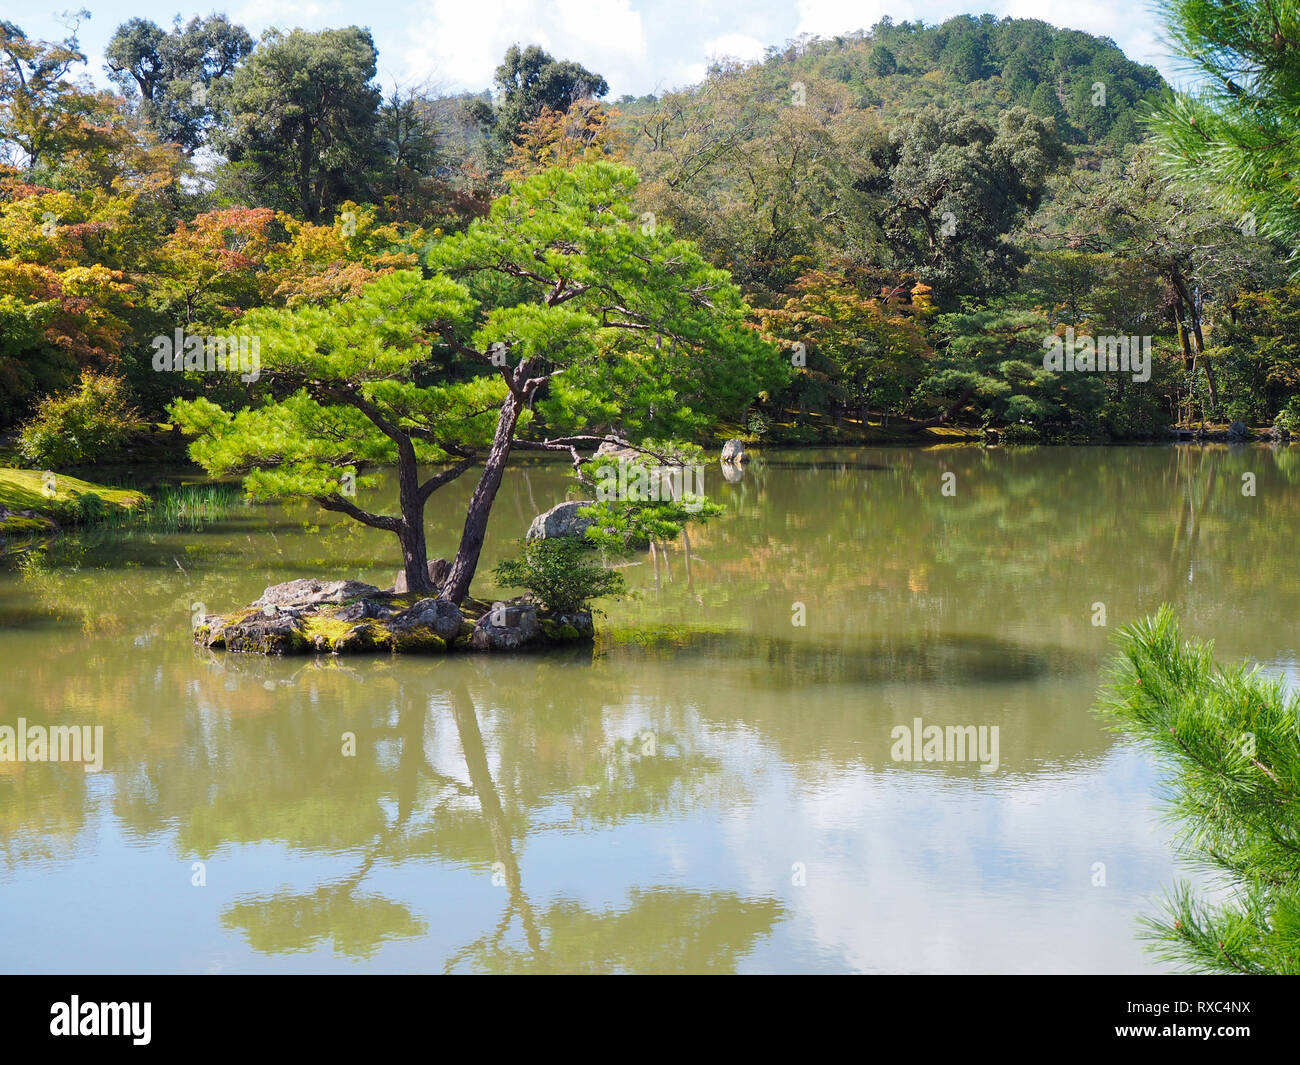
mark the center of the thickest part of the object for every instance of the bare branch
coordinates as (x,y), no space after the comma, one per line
(445,477)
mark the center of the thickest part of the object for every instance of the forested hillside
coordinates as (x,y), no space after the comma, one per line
(915,214)
(980,62)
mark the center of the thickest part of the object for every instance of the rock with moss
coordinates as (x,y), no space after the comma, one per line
(277,633)
(418,639)
(441,616)
(365,637)
(508,626)
(572,626)
(24,524)
(307,620)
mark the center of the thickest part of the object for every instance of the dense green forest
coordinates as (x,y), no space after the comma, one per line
(914,215)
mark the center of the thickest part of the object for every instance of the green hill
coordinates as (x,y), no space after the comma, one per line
(986,64)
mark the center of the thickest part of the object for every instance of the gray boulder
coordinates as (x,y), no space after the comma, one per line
(441,616)
(506,627)
(310,592)
(561,520)
(734,451)
(364,609)
(1238,430)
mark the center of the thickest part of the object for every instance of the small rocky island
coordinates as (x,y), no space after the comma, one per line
(348,617)
(312,616)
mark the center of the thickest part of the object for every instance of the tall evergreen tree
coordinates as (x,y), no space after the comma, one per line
(174,78)
(531,79)
(547,324)
(303,117)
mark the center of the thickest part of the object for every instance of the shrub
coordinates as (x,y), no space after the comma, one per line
(1021,433)
(559,572)
(85,508)
(80,426)
(1288,417)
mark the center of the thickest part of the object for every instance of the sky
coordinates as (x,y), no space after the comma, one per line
(639,46)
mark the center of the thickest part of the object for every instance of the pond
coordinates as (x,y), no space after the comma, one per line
(717,785)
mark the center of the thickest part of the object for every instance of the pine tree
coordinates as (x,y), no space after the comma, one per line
(1237,135)
(560,318)
(1231,738)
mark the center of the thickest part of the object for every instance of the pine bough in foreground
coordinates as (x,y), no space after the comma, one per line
(1231,737)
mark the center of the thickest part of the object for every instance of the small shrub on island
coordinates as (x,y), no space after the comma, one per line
(558,572)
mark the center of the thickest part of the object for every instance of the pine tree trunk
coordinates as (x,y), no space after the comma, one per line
(1182,338)
(1200,353)
(415,555)
(480,505)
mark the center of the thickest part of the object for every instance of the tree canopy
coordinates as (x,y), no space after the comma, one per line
(175,77)
(531,80)
(303,115)
(999,164)
(557,320)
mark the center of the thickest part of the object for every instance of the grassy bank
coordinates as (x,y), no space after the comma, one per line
(31,507)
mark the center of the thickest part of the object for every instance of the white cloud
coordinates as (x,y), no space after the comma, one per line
(460,44)
(638,45)
(826,18)
(727,46)
(735,46)
(257,15)
(914,872)
(607,26)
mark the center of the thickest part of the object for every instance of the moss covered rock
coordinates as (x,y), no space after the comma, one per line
(382,621)
(260,633)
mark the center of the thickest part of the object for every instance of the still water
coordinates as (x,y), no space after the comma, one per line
(710,789)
